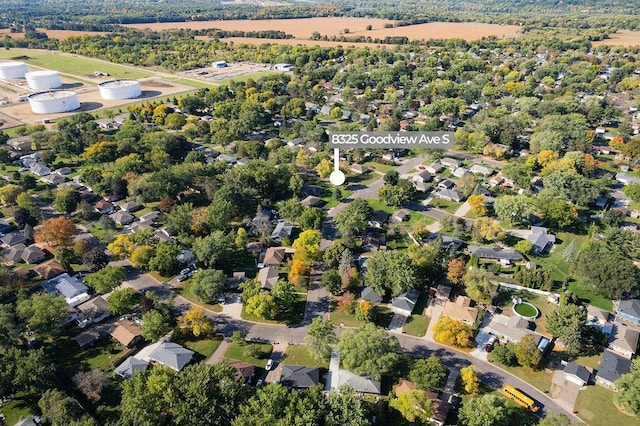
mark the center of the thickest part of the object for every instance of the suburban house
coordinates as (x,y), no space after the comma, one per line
(172,355)
(503,255)
(282,231)
(446,184)
(612,366)
(122,218)
(274,256)
(33,254)
(477,169)
(577,374)
(130,366)
(629,310)
(87,338)
(299,376)
(440,408)
(71,288)
(373,240)
(126,333)
(151,217)
(400,216)
(449,162)
(49,270)
(312,201)
(39,169)
(461,310)
(404,303)
(103,206)
(93,311)
(377,219)
(443,292)
(244,370)
(53,179)
(513,329)
(27,421)
(422,176)
(624,340)
(12,239)
(421,186)
(268,277)
(359,169)
(130,206)
(370,295)
(434,167)
(13,255)
(460,171)
(626,179)
(596,316)
(541,240)
(450,194)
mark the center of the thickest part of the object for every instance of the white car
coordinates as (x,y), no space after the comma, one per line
(269,365)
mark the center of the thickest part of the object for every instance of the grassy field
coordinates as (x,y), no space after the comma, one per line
(382,318)
(185,291)
(445,205)
(71,64)
(554,262)
(595,406)
(236,351)
(19,408)
(593,298)
(417,323)
(382,168)
(204,346)
(298,355)
(539,379)
(539,301)
(294,317)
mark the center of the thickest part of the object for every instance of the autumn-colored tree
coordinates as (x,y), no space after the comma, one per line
(456,270)
(299,270)
(452,332)
(141,256)
(590,164)
(195,321)
(57,232)
(347,302)
(478,204)
(547,157)
(122,246)
(324,168)
(470,380)
(364,310)
(350,278)
(616,142)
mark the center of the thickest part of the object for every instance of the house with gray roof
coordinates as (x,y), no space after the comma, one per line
(93,311)
(422,176)
(299,376)
(13,239)
(312,201)
(624,340)
(377,219)
(71,288)
(282,231)
(33,254)
(359,384)
(122,217)
(27,421)
(628,311)
(450,194)
(451,163)
(612,366)
(502,255)
(130,206)
(404,303)
(577,374)
(39,169)
(541,240)
(172,355)
(268,277)
(370,295)
(477,169)
(14,254)
(626,179)
(130,366)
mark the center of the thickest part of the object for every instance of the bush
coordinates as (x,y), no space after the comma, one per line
(257,351)
(503,354)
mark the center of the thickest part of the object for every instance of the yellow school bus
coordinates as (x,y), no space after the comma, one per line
(520,398)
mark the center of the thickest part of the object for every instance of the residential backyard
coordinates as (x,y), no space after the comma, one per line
(382,317)
(203,345)
(418,322)
(595,406)
(241,353)
(445,205)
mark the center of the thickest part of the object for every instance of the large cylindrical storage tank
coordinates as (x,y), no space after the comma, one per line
(43,80)
(54,102)
(120,89)
(13,69)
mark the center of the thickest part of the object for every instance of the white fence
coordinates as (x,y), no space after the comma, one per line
(519,287)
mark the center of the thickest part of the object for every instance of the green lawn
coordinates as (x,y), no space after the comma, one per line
(236,351)
(204,346)
(382,317)
(595,406)
(185,291)
(254,76)
(296,316)
(73,64)
(417,323)
(382,168)
(593,298)
(298,355)
(20,407)
(537,300)
(554,262)
(103,355)
(539,379)
(189,82)
(379,205)
(445,205)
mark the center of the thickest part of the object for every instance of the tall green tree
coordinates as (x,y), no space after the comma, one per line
(368,350)
(106,279)
(207,284)
(487,410)
(123,300)
(44,313)
(320,338)
(429,374)
(628,385)
(391,272)
(352,220)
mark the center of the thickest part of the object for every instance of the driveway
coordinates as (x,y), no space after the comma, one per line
(563,391)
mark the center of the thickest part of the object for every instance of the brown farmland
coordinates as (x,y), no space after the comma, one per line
(303,28)
(621,38)
(59,34)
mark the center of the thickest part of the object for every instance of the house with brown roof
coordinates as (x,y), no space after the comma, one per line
(126,333)
(274,256)
(440,408)
(93,311)
(244,370)
(461,310)
(103,206)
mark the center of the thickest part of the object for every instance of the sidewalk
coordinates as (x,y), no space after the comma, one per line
(218,354)
(433,311)
(463,209)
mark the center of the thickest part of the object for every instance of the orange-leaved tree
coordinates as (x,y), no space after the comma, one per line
(57,232)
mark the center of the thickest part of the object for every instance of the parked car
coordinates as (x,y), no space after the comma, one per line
(182,278)
(489,345)
(269,365)
(185,271)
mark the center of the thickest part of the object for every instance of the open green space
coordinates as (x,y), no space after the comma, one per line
(540,379)
(203,345)
(445,205)
(538,300)
(298,355)
(291,318)
(103,355)
(595,406)
(418,322)
(185,291)
(73,64)
(239,352)
(382,168)
(20,407)
(381,317)
(554,262)
(254,76)
(587,294)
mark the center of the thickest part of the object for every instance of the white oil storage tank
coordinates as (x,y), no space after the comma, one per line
(120,89)
(43,80)
(13,69)
(54,102)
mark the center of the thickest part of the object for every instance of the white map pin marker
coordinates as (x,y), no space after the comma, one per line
(336,177)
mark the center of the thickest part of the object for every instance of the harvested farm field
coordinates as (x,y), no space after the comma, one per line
(303,28)
(624,38)
(59,34)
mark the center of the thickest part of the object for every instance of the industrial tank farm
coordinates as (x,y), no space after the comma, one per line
(12,70)
(43,80)
(54,102)
(120,89)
